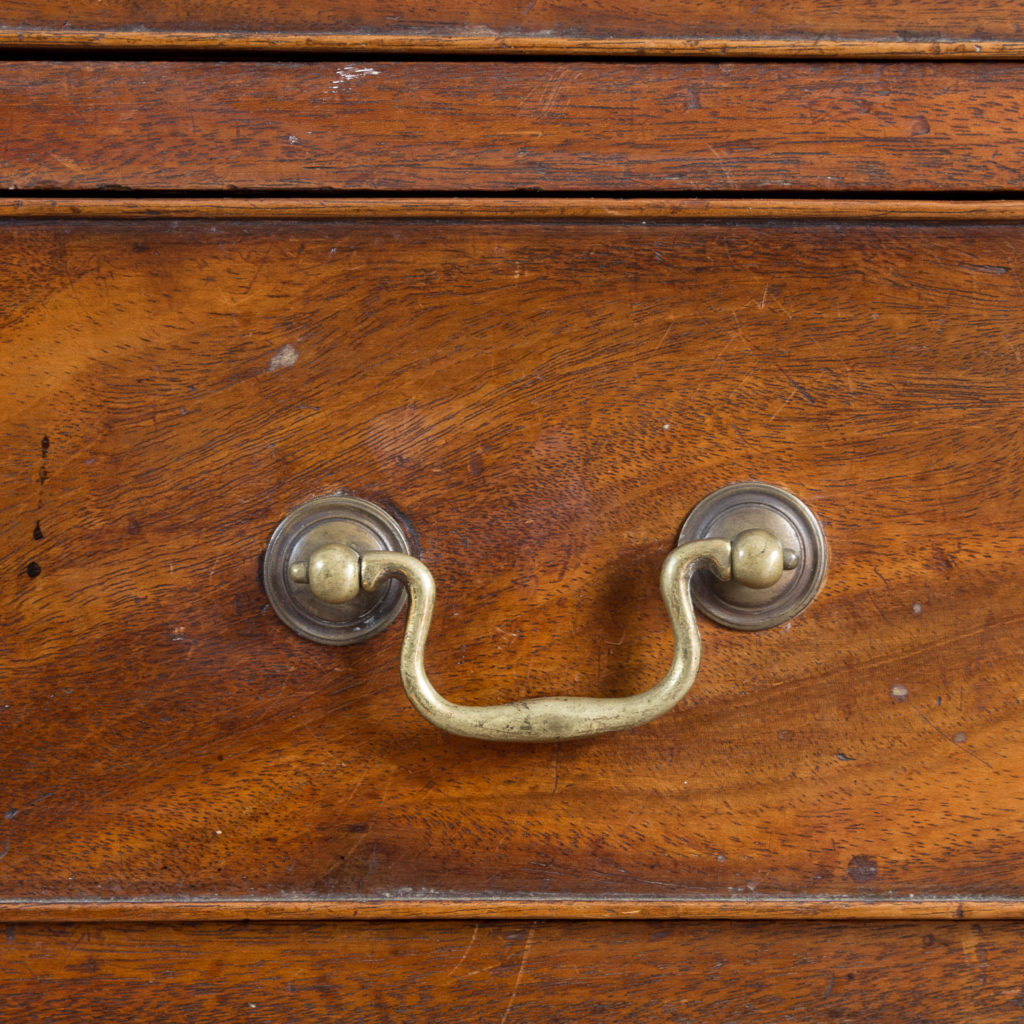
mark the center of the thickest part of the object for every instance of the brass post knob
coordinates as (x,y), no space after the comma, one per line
(332,573)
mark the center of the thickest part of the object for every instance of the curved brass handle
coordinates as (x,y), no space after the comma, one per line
(336,573)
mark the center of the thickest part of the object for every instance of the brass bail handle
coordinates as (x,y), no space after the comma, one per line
(337,573)
(339,569)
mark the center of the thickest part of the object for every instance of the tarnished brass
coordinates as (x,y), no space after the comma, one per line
(332,573)
(758,559)
(333,567)
(755,557)
(729,512)
(312,577)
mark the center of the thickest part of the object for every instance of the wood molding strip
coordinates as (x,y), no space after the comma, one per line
(485,44)
(513,909)
(986,211)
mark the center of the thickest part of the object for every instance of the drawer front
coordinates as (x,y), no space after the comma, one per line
(576,972)
(542,400)
(581,127)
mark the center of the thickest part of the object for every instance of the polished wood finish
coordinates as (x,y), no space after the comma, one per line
(908,28)
(543,384)
(412,907)
(490,126)
(515,972)
(998,211)
(173,387)
(485,44)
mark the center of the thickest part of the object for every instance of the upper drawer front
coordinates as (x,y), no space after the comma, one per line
(489,126)
(544,400)
(904,27)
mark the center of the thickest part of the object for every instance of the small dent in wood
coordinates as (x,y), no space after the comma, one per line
(45,450)
(862,868)
(33,569)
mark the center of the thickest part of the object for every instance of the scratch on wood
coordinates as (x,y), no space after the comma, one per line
(931,725)
(349,73)
(983,268)
(785,402)
(519,974)
(803,392)
(553,92)
(721,163)
(15,811)
(465,952)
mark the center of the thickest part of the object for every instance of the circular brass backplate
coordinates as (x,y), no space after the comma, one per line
(335,519)
(749,506)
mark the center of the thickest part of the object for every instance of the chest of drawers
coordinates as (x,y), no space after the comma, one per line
(535,282)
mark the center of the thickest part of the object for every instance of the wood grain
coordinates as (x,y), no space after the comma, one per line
(484,126)
(486,44)
(980,211)
(515,972)
(742,907)
(670,27)
(544,401)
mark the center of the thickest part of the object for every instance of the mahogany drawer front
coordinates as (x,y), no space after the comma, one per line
(604,972)
(542,399)
(489,126)
(906,28)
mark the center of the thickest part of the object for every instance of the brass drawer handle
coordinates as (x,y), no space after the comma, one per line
(563,718)
(346,575)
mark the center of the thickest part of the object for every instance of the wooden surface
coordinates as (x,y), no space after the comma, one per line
(903,27)
(544,401)
(488,126)
(539,971)
(530,208)
(410,906)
